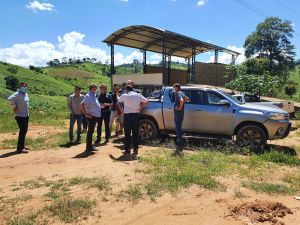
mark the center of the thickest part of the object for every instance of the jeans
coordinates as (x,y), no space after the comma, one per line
(131,126)
(23,126)
(75,118)
(84,122)
(91,128)
(105,116)
(178,119)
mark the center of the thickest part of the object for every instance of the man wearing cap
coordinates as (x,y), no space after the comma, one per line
(74,101)
(20,104)
(90,107)
(105,103)
(133,104)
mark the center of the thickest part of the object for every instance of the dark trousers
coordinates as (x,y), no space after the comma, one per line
(105,116)
(23,126)
(131,128)
(84,122)
(178,119)
(91,128)
(75,118)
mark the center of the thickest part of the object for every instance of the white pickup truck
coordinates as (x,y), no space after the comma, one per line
(252,98)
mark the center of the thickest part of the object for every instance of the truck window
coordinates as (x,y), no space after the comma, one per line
(213,98)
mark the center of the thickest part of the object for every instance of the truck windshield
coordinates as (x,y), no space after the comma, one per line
(231,98)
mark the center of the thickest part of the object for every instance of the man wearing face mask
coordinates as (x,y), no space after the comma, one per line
(20,104)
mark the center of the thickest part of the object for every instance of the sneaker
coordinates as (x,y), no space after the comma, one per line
(134,156)
(97,143)
(23,151)
(91,149)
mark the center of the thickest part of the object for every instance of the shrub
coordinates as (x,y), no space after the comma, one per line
(12,83)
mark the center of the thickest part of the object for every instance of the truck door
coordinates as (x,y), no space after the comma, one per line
(209,116)
(168,111)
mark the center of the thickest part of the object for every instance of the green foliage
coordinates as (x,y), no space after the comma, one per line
(290,88)
(269,188)
(261,85)
(12,83)
(271,40)
(71,210)
(12,69)
(279,158)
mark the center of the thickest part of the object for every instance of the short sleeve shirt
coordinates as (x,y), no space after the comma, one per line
(132,101)
(92,105)
(104,98)
(21,101)
(178,96)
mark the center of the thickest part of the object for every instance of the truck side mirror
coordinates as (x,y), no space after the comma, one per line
(225,103)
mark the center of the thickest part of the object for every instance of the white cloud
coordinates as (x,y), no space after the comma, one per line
(156,58)
(201,2)
(226,58)
(123,0)
(38,53)
(37,6)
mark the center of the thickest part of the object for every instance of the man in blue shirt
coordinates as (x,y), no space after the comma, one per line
(178,117)
(90,107)
(20,104)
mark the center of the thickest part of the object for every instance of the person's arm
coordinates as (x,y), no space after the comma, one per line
(181,102)
(12,102)
(70,104)
(144,102)
(82,109)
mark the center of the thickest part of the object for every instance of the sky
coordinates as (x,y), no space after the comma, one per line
(36,31)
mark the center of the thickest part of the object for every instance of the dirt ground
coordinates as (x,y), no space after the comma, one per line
(192,206)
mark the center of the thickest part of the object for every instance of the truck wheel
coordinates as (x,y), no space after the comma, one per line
(147,130)
(252,136)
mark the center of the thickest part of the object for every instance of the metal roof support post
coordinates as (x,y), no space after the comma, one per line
(144,61)
(112,63)
(164,62)
(189,69)
(233,57)
(216,56)
(193,70)
(169,70)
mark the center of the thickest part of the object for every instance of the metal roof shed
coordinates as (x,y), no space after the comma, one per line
(146,38)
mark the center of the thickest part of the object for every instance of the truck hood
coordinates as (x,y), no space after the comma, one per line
(261,108)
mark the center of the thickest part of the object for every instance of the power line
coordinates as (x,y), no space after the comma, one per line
(253,8)
(288,8)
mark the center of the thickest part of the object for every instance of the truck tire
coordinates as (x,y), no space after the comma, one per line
(147,130)
(252,136)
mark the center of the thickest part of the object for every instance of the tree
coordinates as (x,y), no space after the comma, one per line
(12,83)
(290,88)
(271,40)
(31,67)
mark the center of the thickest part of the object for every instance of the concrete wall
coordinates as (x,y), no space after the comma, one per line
(139,79)
(177,76)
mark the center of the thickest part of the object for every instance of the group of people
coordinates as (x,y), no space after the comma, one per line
(122,107)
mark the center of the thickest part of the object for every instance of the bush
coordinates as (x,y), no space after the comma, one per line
(12,83)
(290,88)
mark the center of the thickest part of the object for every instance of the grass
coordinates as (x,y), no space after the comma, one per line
(280,158)
(133,193)
(70,210)
(28,219)
(39,143)
(269,188)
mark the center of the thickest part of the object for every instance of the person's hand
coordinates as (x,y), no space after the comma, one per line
(177,108)
(88,116)
(16,110)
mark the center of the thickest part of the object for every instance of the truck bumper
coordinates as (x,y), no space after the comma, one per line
(278,129)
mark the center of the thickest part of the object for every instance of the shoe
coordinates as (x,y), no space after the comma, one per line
(91,149)
(77,142)
(134,156)
(97,142)
(27,148)
(106,141)
(23,151)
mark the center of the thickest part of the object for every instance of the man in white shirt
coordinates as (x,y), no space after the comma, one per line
(133,105)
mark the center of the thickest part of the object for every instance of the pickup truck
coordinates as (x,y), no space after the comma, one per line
(213,112)
(251,98)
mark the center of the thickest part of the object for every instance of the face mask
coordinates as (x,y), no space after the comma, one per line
(23,89)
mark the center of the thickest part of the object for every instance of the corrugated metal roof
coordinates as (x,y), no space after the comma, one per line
(151,39)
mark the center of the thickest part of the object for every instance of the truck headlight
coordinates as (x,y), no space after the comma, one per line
(277,116)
